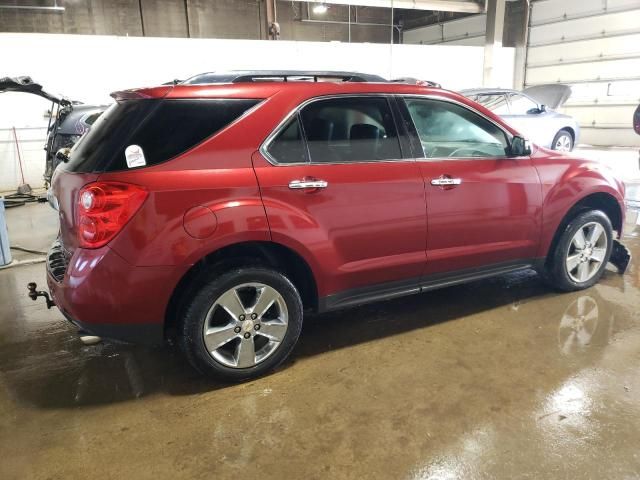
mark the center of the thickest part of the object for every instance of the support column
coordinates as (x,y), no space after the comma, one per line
(273,28)
(521,19)
(495,31)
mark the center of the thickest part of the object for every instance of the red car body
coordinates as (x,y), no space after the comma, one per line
(379,230)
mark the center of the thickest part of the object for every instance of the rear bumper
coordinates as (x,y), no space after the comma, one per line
(151,334)
(106,296)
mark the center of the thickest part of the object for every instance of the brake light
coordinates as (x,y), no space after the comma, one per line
(103,209)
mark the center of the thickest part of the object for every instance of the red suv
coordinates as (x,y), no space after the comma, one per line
(219,212)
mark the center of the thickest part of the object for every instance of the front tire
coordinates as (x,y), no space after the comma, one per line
(563,141)
(581,253)
(241,324)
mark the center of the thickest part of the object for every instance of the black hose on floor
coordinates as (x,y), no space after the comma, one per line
(19,199)
(27,250)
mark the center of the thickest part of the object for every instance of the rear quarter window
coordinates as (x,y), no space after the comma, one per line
(163,129)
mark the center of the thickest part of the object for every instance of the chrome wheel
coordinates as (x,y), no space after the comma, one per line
(563,143)
(245,325)
(587,251)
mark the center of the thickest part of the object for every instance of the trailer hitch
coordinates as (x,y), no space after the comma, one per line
(34,294)
(620,257)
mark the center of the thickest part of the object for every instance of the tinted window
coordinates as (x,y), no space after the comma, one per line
(521,105)
(161,128)
(288,146)
(497,103)
(350,130)
(447,130)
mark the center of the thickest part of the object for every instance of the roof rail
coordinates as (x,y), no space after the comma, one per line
(416,81)
(279,76)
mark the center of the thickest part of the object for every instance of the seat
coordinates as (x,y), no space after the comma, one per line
(320,129)
(365,141)
(319,133)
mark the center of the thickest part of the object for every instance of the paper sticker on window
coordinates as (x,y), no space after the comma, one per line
(134,156)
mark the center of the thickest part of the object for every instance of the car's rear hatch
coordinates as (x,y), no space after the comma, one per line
(27,85)
(553,95)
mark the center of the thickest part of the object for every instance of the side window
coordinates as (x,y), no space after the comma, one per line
(350,129)
(497,103)
(448,130)
(521,105)
(288,146)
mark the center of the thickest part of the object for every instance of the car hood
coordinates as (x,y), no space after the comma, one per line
(27,85)
(553,95)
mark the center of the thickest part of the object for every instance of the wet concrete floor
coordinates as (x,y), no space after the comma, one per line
(495,379)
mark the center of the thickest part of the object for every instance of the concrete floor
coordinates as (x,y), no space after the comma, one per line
(495,379)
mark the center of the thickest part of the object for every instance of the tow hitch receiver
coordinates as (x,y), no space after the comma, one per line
(34,294)
(620,257)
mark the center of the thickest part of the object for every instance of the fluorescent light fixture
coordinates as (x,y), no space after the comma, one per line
(320,8)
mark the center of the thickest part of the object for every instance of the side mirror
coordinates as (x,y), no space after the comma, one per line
(543,108)
(520,147)
(636,120)
(63,154)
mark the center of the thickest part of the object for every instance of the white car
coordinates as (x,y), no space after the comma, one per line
(531,112)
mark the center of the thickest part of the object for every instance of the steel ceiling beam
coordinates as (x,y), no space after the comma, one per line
(465,6)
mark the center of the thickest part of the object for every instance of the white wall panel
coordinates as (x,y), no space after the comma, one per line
(585,49)
(545,11)
(470,42)
(594,46)
(105,64)
(597,25)
(625,137)
(464,31)
(604,116)
(609,69)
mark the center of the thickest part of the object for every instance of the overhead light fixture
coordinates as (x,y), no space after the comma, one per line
(320,8)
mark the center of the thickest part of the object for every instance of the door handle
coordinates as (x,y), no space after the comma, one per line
(446,181)
(311,183)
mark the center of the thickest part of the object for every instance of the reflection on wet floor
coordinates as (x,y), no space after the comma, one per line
(496,379)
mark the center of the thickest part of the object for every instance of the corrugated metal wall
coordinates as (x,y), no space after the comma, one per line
(594,46)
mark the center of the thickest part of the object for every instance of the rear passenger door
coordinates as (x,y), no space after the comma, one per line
(337,186)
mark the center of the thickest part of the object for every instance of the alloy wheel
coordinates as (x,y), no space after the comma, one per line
(587,251)
(245,325)
(563,143)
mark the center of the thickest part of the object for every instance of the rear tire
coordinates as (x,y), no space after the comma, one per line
(241,324)
(563,141)
(581,253)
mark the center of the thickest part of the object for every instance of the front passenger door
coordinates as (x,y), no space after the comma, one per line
(484,207)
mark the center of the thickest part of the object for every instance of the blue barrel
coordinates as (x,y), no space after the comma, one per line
(5,252)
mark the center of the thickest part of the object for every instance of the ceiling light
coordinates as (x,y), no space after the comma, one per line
(320,8)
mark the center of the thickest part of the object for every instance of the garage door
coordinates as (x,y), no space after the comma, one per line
(594,46)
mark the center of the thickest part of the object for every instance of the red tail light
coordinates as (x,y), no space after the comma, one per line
(103,209)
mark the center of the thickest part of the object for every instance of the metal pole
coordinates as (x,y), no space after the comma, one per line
(391,44)
(141,17)
(271,19)
(186,17)
(349,22)
(15,137)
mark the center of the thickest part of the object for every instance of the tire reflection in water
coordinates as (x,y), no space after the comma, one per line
(583,323)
